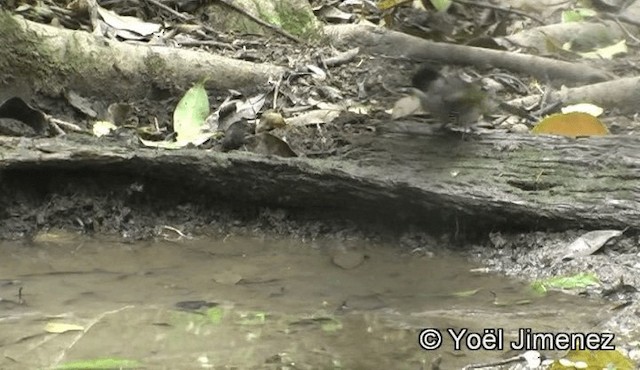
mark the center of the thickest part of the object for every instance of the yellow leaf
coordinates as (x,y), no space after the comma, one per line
(571,124)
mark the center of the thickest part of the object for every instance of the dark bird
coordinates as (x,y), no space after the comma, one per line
(236,135)
(449,98)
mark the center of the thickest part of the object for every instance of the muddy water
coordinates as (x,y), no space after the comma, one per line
(247,303)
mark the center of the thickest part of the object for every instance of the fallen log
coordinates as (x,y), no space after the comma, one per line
(474,183)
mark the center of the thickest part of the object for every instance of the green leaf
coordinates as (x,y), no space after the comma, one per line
(332,325)
(577,15)
(571,16)
(598,359)
(539,287)
(567,282)
(214,314)
(191,113)
(255,318)
(441,5)
(100,363)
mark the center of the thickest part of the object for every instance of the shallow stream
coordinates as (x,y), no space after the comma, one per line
(254,303)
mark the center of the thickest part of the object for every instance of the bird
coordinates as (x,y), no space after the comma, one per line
(236,135)
(450,99)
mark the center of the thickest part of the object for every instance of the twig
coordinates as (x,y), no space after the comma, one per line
(341,58)
(181,235)
(624,18)
(499,8)
(276,89)
(261,22)
(58,122)
(178,15)
(219,44)
(511,360)
(625,30)
(181,16)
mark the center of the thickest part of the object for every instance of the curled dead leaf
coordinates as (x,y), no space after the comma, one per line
(267,144)
(590,243)
(270,120)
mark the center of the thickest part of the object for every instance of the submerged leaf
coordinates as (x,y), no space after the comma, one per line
(582,280)
(331,326)
(348,259)
(594,359)
(215,314)
(253,318)
(465,293)
(60,327)
(101,363)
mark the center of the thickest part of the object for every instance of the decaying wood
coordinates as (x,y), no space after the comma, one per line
(484,181)
(52,59)
(374,40)
(622,94)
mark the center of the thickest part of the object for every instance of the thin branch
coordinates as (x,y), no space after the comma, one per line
(499,8)
(261,22)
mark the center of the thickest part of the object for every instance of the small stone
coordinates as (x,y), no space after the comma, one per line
(227,278)
(519,128)
(348,260)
